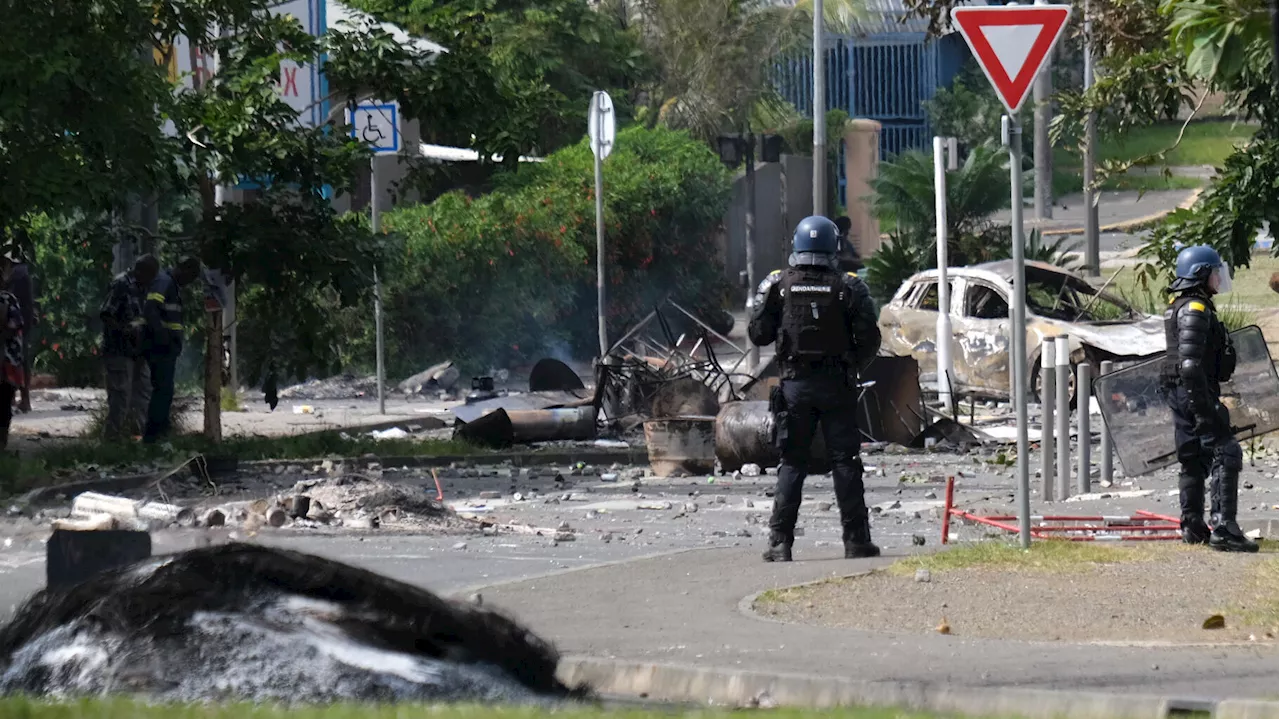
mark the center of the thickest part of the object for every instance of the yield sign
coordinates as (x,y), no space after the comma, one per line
(1012,43)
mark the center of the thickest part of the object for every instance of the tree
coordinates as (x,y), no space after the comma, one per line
(101,134)
(529,70)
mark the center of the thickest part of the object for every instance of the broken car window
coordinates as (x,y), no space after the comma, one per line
(985,303)
(929,298)
(1065,297)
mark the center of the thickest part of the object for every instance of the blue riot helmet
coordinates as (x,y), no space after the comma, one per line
(815,242)
(1201,265)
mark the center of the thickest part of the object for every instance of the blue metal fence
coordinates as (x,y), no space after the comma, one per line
(885,77)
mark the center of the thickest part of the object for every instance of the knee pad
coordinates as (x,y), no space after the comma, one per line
(1230,455)
(1191,480)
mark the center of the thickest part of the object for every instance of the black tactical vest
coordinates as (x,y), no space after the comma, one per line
(814,327)
(1219,356)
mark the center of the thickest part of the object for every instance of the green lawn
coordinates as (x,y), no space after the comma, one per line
(1250,286)
(1204,143)
(121,709)
(1070,181)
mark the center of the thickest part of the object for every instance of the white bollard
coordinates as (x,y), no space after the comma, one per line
(1063,368)
(1048,357)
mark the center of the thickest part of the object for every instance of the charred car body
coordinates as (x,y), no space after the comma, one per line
(1099,326)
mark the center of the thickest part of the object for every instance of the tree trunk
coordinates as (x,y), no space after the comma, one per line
(213,376)
(212,326)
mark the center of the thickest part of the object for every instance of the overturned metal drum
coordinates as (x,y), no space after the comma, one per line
(744,435)
(678,444)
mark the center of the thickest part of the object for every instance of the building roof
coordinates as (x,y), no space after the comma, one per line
(339,14)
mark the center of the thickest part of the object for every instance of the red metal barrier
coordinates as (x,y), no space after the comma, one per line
(1141,526)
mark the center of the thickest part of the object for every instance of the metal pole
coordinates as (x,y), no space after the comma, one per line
(1105,449)
(600,301)
(944,288)
(1064,416)
(819,114)
(374,213)
(1084,390)
(753,352)
(1048,356)
(1275,41)
(1092,259)
(1011,133)
(1043,152)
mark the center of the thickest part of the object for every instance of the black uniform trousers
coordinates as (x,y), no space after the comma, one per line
(827,397)
(1218,456)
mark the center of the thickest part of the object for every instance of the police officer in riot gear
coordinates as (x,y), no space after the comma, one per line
(824,322)
(1198,356)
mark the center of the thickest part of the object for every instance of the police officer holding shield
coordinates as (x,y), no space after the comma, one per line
(1198,357)
(824,323)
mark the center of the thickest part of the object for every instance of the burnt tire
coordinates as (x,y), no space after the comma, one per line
(1035,383)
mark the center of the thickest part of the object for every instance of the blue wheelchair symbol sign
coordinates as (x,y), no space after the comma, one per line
(377,125)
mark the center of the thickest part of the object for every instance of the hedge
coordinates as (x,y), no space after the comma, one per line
(507,277)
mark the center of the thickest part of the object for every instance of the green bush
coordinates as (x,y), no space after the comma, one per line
(72,267)
(510,276)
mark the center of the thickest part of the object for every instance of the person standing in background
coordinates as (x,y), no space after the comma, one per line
(21,286)
(162,312)
(128,377)
(12,365)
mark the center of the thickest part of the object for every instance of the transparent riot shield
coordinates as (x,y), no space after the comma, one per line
(1141,424)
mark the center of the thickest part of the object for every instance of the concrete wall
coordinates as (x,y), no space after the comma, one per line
(777,213)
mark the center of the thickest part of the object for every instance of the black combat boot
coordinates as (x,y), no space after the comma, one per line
(779,548)
(857,540)
(1191,497)
(1226,536)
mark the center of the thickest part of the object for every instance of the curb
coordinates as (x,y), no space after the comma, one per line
(686,684)
(1133,224)
(632,455)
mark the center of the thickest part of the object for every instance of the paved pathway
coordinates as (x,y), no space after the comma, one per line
(1113,208)
(684,608)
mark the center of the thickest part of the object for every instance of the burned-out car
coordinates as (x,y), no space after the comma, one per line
(1099,326)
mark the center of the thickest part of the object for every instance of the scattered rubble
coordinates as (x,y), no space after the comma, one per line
(344,386)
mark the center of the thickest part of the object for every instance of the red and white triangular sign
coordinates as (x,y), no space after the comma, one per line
(1011,43)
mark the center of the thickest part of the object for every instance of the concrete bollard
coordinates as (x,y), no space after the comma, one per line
(1084,390)
(1062,366)
(1048,357)
(1105,449)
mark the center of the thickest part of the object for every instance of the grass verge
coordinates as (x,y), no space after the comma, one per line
(124,709)
(1204,143)
(1070,181)
(1043,556)
(1250,291)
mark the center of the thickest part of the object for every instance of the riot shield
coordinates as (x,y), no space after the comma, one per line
(1141,424)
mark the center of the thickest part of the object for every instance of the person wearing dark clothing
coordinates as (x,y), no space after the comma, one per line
(162,341)
(21,286)
(824,323)
(849,259)
(1199,356)
(12,364)
(128,377)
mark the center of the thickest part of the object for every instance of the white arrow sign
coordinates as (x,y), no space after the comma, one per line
(601,125)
